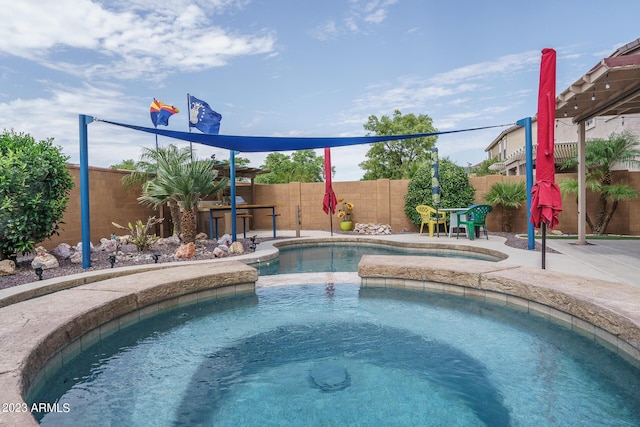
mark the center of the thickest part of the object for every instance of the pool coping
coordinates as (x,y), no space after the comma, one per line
(606,312)
(40,334)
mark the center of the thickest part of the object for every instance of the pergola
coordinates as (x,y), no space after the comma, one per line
(610,88)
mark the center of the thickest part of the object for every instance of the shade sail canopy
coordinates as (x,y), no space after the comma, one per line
(611,87)
(257,144)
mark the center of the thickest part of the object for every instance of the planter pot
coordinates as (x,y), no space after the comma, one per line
(346,225)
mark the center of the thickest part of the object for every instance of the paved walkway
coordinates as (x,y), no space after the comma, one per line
(611,260)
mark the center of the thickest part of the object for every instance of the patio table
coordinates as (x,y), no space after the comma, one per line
(212,208)
(453,218)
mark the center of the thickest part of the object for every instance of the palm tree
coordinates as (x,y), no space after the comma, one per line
(510,195)
(186,184)
(153,161)
(601,155)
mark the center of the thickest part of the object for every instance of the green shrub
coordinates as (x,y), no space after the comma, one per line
(34,189)
(455,189)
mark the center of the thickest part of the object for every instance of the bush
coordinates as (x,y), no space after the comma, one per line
(34,189)
(455,189)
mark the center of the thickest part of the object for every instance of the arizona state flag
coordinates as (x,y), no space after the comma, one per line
(160,112)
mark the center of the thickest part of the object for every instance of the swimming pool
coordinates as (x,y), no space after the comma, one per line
(393,357)
(345,256)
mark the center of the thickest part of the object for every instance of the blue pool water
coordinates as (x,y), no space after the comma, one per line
(345,257)
(389,357)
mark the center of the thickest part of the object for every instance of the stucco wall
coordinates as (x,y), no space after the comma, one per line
(380,201)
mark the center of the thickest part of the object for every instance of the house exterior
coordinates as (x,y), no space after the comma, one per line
(509,146)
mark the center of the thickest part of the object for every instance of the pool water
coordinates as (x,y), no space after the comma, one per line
(390,357)
(345,257)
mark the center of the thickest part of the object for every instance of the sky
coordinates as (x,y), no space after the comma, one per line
(291,68)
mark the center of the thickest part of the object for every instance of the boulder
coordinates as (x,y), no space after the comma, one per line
(225,240)
(187,251)
(76,258)
(108,245)
(45,260)
(219,253)
(79,247)
(236,248)
(172,240)
(202,236)
(62,251)
(7,267)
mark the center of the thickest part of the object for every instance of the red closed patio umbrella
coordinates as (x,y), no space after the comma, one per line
(330,200)
(546,200)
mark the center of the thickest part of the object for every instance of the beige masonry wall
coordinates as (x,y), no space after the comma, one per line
(108,202)
(380,201)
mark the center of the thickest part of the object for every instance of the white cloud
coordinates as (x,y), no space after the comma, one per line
(122,44)
(355,20)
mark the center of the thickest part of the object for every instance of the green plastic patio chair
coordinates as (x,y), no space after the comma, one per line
(474,216)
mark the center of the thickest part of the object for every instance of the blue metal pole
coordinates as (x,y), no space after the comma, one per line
(84,191)
(232,178)
(526,122)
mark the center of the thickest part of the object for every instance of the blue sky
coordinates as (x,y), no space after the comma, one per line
(291,68)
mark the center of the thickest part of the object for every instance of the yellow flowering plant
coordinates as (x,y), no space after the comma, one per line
(345,211)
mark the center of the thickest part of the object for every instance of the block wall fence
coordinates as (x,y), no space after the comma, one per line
(380,201)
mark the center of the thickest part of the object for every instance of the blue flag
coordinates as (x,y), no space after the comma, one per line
(202,117)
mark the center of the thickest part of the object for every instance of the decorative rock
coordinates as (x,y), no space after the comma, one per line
(556,232)
(45,260)
(187,251)
(76,258)
(236,248)
(7,267)
(372,229)
(108,245)
(202,236)
(225,240)
(79,247)
(62,251)
(219,253)
(173,240)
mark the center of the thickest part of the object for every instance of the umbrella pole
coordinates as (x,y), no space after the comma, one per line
(437,224)
(330,217)
(544,244)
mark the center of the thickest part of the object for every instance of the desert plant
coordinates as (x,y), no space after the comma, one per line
(139,233)
(185,184)
(455,189)
(510,196)
(155,161)
(34,190)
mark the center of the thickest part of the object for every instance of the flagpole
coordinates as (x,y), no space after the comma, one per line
(188,121)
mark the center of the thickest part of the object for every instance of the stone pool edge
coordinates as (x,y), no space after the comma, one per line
(606,312)
(39,333)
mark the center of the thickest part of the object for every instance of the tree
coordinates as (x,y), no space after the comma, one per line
(170,157)
(34,191)
(455,189)
(128,164)
(186,184)
(398,159)
(483,168)
(301,166)
(510,196)
(600,157)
